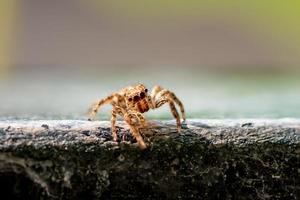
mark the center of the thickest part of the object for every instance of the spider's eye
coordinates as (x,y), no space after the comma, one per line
(130,99)
(146,90)
(142,95)
(136,98)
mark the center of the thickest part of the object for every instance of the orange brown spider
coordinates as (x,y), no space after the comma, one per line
(131,102)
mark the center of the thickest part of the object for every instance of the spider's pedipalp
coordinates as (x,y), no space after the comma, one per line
(152,97)
(156,89)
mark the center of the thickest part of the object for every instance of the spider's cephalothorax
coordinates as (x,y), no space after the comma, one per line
(132,101)
(137,98)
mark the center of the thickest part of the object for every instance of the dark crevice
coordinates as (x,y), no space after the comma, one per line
(19,186)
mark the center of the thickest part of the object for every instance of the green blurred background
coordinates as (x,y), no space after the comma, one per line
(224,59)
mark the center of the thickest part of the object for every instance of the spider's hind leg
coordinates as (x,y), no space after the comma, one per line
(113,124)
(176,115)
(160,96)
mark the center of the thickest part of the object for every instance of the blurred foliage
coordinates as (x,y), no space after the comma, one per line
(275,18)
(7,17)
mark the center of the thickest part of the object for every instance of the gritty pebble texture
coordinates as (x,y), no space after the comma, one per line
(210,159)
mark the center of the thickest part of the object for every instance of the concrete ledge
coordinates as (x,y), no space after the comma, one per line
(210,159)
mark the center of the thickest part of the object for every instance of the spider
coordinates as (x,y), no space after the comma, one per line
(131,102)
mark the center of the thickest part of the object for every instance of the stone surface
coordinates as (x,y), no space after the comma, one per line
(210,159)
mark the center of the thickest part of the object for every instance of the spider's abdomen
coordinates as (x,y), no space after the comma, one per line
(142,106)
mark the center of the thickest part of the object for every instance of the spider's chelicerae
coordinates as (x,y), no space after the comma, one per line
(131,102)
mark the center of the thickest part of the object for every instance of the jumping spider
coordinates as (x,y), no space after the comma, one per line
(131,102)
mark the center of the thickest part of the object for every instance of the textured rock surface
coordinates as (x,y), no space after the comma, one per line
(212,159)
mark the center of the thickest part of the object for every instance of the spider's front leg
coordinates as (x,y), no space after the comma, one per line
(134,122)
(113,123)
(95,106)
(141,118)
(160,96)
(118,102)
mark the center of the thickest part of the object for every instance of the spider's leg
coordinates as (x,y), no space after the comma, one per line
(161,101)
(95,107)
(124,137)
(178,102)
(156,89)
(141,118)
(161,96)
(176,115)
(131,121)
(113,123)
(166,95)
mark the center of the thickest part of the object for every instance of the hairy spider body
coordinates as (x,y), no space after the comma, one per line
(131,102)
(142,106)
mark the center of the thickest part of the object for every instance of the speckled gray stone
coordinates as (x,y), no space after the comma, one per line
(210,159)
